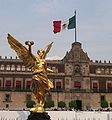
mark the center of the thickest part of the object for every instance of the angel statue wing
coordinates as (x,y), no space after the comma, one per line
(47,49)
(22,52)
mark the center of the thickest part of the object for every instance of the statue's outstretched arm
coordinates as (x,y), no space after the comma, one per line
(49,70)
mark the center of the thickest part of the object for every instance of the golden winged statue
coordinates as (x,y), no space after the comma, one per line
(40,82)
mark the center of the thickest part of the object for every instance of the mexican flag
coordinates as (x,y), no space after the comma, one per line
(62,25)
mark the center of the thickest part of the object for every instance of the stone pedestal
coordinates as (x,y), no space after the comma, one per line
(38,116)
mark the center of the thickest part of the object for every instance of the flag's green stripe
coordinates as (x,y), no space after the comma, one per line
(72,23)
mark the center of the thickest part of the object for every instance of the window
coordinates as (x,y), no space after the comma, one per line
(95,86)
(8,83)
(23,68)
(28,84)
(77,84)
(98,71)
(7,97)
(8,67)
(12,67)
(109,87)
(58,84)
(107,71)
(2,67)
(18,84)
(102,70)
(18,67)
(102,85)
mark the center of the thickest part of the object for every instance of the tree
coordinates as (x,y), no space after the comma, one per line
(104,104)
(30,103)
(49,104)
(61,104)
(72,104)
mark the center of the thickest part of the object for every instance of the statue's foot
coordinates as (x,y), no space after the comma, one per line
(37,109)
(32,109)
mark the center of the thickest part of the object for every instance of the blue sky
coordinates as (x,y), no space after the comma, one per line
(33,20)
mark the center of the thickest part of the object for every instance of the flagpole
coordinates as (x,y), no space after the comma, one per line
(75,28)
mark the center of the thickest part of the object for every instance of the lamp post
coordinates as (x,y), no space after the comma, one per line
(29,43)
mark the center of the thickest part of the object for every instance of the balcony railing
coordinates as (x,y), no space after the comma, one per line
(15,89)
(57,90)
(101,90)
(79,90)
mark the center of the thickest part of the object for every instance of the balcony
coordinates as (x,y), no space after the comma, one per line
(79,90)
(27,89)
(14,89)
(101,90)
(57,90)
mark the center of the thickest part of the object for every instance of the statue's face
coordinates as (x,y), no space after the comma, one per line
(40,53)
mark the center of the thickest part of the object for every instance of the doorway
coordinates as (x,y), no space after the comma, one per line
(79,104)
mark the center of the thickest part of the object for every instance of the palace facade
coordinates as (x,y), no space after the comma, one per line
(76,77)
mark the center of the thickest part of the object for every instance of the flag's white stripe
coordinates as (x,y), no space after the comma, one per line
(64,25)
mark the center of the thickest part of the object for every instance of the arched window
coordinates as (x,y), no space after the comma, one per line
(98,71)
(8,67)
(23,68)
(107,71)
(18,68)
(12,67)
(2,67)
(102,70)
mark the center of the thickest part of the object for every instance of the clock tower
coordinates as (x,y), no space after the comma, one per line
(76,68)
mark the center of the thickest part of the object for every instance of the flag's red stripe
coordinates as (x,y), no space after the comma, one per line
(57,26)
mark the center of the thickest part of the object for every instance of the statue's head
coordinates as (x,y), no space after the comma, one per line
(41,52)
